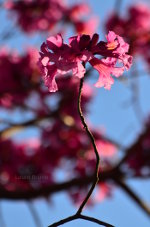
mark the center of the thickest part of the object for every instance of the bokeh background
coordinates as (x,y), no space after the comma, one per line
(110,111)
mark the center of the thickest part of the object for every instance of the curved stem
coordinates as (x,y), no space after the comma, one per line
(96,175)
(78,214)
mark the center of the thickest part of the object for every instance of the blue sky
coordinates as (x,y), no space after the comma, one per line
(109,110)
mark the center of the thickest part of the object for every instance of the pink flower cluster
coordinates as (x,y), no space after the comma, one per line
(19,76)
(37,15)
(138,160)
(58,58)
(44,15)
(135,28)
(31,165)
(20,168)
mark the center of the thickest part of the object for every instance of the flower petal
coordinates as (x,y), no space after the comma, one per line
(54,42)
(49,78)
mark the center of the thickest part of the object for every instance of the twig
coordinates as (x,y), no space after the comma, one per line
(96,177)
(80,216)
(95,221)
(96,173)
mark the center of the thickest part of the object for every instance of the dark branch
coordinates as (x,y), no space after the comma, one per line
(80,216)
(133,196)
(85,126)
(57,187)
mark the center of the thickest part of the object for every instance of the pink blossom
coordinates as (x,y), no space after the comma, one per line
(58,58)
(106,148)
(87,27)
(37,15)
(104,190)
(45,15)
(19,74)
(105,70)
(135,28)
(78,15)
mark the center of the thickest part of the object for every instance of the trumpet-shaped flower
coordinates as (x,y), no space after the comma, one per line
(58,58)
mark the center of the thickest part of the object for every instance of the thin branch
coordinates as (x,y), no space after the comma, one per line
(21,126)
(34,214)
(117,6)
(133,148)
(133,196)
(14,128)
(135,101)
(95,220)
(141,73)
(80,216)
(96,177)
(2,222)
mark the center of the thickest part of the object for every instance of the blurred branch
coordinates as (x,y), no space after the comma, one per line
(77,182)
(18,127)
(34,214)
(14,128)
(133,76)
(133,148)
(134,88)
(57,187)
(117,6)
(135,101)
(2,222)
(133,196)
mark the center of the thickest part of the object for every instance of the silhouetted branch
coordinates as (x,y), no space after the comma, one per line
(96,176)
(80,216)
(133,196)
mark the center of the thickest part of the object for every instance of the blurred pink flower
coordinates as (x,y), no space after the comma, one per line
(38,15)
(45,15)
(104,190)
(88,26)
(135,28)
(19,75)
